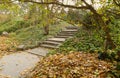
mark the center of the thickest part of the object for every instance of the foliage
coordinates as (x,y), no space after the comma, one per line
(13,25)
(75,64)
(27,31)
(115,31)
(85,40)
(115,73)
(5,44)
(75,16)
(89,22)
(91,41)
(4,18)
(100,25)
(31,36)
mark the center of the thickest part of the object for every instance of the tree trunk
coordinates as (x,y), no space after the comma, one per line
(108,42)
(46,30)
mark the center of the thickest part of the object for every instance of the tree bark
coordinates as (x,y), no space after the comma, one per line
(108,42)
(46,30)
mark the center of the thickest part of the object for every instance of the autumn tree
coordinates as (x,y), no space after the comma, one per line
(102,19)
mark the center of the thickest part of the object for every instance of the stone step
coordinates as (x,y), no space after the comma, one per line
(66,34)
(51,43)
(63,36)
(38,51)
(49,46)
(62,32)
(71,27)
(57,39)
(70,30)
(60,38)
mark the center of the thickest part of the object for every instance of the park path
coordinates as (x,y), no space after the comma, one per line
(14,64)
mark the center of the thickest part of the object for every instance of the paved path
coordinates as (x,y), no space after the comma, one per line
(38,51)
(14,64)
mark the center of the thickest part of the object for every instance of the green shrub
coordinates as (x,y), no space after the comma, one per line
(13,26)
(83,41)
(115,31)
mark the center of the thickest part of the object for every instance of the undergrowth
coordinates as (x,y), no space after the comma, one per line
(27,33)
(84,40)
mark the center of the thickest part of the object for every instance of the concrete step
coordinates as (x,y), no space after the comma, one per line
(49,46)
(51,43)
(57,39)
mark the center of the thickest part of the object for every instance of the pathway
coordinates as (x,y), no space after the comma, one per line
(14,64)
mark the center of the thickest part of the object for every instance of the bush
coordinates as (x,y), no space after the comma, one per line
(13,26)
(83,41)
(115,31)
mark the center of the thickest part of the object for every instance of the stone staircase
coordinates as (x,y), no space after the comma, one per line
(56,41)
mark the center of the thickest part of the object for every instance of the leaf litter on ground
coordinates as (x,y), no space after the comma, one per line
(71,65)
(7,45)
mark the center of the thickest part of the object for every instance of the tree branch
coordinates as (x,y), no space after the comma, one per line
(90,7)
(58,3)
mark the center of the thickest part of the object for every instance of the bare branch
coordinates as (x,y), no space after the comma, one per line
(91,8)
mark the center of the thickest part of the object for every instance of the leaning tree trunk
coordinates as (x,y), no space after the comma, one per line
(108,42)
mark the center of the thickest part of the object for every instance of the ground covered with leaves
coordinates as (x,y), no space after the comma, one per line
(7,45)
(72,65)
